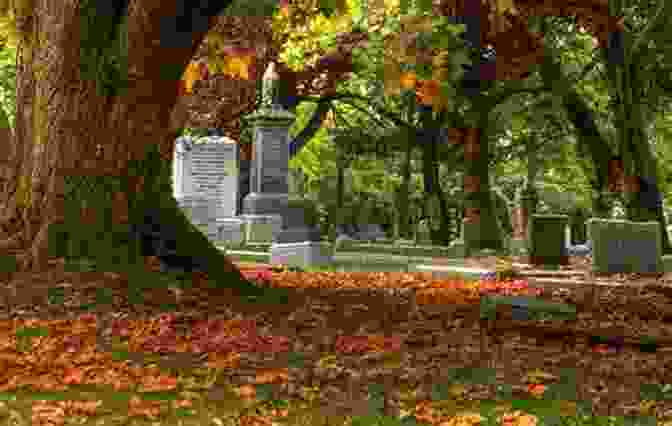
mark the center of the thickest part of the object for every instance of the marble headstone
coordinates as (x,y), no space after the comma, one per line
(214,173)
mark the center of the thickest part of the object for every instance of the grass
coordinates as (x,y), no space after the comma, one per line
(231,410)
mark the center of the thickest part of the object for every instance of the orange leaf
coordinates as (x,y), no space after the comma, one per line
(191,74)
(407,80)
(272,376)
(238,66)
(428,92)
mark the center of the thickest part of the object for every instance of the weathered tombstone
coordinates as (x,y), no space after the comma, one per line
(547,240)
(205,184)
(214,173)
(621,246)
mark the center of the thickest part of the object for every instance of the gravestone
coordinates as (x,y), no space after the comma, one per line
(205,184)
(621,246)
(547,240)
(267,206)
(214,173)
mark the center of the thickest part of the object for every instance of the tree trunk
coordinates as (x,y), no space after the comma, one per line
(629,98)
(638,207)
(478,202)
(403,199)
(588,137)
(65,129)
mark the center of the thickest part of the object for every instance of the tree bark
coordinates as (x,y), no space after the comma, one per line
(478,202)
(65,128)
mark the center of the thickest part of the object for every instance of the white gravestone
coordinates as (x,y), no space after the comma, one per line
(205,181)
(182,167)
(214,173)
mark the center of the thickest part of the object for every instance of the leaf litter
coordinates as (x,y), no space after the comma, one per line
(338,334)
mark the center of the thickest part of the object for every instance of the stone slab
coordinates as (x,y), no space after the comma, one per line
(302,254)
(257,203)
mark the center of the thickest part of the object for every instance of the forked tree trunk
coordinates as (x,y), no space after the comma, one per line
(65,128)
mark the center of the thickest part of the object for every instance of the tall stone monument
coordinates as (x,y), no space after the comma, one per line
(267,209)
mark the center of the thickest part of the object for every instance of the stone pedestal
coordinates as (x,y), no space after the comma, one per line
(258,203)
(231,230)
(302,254)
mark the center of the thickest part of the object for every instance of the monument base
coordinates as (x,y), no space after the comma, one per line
(261,228)
(230,230)
(257,203)
(305,254)
(298,235)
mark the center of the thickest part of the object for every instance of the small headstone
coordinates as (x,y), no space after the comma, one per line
(547,240)
(620,246)
(371,232)
(301,254)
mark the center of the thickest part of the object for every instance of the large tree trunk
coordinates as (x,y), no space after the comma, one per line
(636,147)
(65,128)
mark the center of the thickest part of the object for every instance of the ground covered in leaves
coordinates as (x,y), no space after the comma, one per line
(345,344)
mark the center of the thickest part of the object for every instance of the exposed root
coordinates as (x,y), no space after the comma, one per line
(39,250)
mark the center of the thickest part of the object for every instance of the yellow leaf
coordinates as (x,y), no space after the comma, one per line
(506,6)
(238,66)
(538,375)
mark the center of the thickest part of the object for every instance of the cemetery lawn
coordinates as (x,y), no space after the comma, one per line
(83,349)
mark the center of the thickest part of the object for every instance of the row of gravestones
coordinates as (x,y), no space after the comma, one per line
(210,182)
(616,246)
